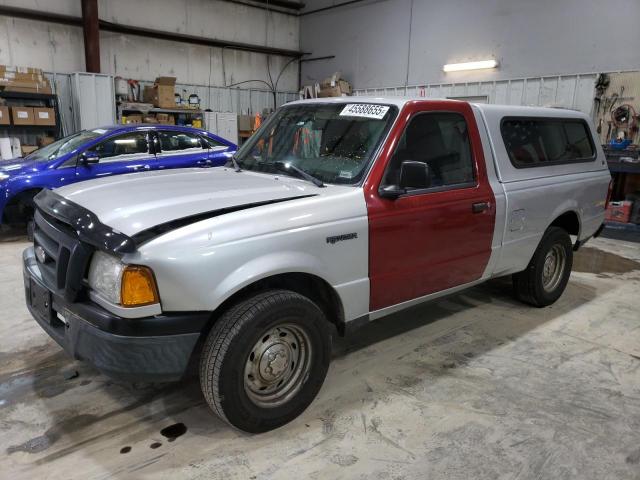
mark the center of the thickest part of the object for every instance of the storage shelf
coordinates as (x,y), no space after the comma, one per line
(47,127)
(49,100)
(628,227)
(27,96)
(132,107)
(624,167)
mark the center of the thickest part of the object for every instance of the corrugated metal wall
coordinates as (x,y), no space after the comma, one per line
(566,91)
(218,99)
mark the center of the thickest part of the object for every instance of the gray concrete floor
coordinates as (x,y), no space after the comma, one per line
(476,386)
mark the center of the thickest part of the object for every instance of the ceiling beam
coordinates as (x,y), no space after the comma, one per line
(146,32)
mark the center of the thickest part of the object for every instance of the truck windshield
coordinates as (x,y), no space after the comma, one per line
(64,145)
(332,142)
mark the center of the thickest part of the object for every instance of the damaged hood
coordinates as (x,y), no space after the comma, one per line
(133,203)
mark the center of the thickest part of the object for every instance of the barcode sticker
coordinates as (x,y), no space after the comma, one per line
(43,115)
(367,110)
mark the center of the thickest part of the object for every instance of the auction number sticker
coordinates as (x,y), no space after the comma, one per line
(367,110)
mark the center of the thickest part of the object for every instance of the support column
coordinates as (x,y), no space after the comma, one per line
(91,31)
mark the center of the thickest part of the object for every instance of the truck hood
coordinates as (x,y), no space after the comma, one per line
(136,202)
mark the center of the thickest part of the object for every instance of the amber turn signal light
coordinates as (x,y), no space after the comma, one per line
(138,287)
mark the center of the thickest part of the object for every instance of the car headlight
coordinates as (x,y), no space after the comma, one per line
(122,284)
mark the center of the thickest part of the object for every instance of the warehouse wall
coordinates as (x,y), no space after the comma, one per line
(373,46)
(59,48)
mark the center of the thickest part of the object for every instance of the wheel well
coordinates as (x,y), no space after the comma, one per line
(314,288)
(20,205)
(569,222)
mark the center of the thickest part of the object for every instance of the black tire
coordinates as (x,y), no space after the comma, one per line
(230,349)
(529,285)
(30,228)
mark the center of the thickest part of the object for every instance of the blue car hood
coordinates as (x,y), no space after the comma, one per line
(18,166)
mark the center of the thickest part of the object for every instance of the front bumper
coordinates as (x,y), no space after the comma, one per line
(151,349)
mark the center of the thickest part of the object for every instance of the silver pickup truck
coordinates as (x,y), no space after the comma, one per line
(335,213)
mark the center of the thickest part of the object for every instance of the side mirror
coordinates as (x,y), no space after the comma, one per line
(414,175)
(89,158)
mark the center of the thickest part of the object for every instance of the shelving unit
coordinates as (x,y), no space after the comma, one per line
(621,164)
(29,133)
(147,108)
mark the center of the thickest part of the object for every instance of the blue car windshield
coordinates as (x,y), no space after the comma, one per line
(64,145)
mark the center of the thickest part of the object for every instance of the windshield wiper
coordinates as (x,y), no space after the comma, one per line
(285,167)
(236,165)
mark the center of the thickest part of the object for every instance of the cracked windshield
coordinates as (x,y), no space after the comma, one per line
(331,142)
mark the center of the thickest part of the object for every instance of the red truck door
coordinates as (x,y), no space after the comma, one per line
(438,234)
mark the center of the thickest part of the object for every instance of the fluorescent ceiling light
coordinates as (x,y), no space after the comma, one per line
(457,67)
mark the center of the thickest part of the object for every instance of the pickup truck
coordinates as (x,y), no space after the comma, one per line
(336,212)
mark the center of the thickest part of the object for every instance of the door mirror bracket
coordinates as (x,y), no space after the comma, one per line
(392,192)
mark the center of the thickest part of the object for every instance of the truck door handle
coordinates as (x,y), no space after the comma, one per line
(480,207)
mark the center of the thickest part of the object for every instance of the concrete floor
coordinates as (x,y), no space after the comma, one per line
(476,386)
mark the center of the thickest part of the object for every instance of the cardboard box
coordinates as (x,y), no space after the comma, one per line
(25,86)
(334,86)
(334,92)
(245,123)
(44,141)
(342,88)
(44,116)
(27,149)
(148,92)
(618,211)
(4,116)
(133,119)
(23,79)
(165,118)
(14,68)
(22,115)
(163,92)
(149,119)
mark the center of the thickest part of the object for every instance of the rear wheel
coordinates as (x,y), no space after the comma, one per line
(265,360)
(547,274)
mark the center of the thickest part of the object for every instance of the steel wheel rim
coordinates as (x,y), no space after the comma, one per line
(553,267)
(277,365)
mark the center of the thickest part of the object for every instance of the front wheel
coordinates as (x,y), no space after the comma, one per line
(265,360)
(547,274)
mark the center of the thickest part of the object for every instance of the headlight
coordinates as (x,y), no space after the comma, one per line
(105,276)
(3,176)
(126,285)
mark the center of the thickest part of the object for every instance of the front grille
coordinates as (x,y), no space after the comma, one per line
(64,263)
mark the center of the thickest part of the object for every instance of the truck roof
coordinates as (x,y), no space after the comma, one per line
(490,109)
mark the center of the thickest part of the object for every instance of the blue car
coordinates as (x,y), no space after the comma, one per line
(101,152)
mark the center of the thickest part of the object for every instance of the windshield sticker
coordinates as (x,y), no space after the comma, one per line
(366,110)
(345,174)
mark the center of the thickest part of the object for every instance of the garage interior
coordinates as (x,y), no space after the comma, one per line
(472,385)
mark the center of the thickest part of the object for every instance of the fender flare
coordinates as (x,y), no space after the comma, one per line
(263,267)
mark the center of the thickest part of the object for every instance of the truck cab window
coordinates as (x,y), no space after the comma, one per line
(441,141)
(536,142)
